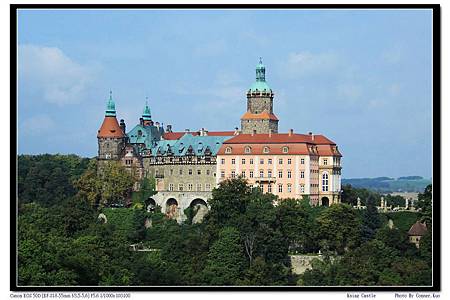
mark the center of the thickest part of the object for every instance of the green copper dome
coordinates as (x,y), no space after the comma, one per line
(260,84)
(110,107)
(146,115)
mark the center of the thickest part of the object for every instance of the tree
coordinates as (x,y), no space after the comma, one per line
(109,184)
(226,259)
(339,228)
(425,204)
(370,220)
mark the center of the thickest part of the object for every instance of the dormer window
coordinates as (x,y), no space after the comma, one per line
(139,132)
(248,150)
(285,149)
(228,150)
(266,150)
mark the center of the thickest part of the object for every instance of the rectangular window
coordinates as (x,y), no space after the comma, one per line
(302,174)
(190,187)
(243,161)
(269,188)
(171,171)
(280,174)
(208,172)
(243,174)
(199,187)
(251,161)
(280,161)
(289,187)
(181,171)
(302,161)
(171,187)
(269,161)
(222,161)
(190,172)
(302,188)
(222,174)
(251,174)
(233,174)
(269,173)
(233,161)
(325,161)
(261,173)
(208,187)
(199,172)
(261,161)
(180,187)
(280,188)
(289,161)
(289,174)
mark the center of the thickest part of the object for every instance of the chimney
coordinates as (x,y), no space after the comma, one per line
(236,131)
(291,131)
(122,125)
(187,130)
(270,133)
(253,132)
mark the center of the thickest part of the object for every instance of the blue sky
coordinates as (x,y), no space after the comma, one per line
(362,78)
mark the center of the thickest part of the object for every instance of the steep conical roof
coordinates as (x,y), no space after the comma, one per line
(110,127)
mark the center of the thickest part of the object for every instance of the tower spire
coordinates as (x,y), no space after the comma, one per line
(146,115)
(110,106)
(260,71)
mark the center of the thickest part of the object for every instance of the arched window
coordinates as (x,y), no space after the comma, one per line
(248,149)
(228,150)
(325,182)
(285,149)
(266,150)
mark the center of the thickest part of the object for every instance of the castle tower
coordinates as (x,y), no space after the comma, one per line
(259,116)
(110,136)
(147,115)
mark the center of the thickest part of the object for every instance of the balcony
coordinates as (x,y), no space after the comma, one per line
(265,179)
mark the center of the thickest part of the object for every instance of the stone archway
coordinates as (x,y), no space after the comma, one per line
(200,209)
(325,201)
(150,204)
(172,208)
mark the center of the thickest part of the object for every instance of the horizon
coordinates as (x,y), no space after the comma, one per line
(360,78)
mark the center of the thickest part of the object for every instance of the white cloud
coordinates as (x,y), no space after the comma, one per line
(307,63)
(349,90)
(37,125)
(51,74)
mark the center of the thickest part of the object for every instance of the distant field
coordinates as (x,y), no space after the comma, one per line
(388,185)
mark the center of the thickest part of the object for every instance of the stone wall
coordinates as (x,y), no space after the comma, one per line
(261,126)
(110,148)
(301,263)
(258,104)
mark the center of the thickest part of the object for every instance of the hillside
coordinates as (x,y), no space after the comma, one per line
(388,185)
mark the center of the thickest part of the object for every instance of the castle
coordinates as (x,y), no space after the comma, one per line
(188,165)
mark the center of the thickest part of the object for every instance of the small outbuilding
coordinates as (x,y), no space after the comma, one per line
(416,232)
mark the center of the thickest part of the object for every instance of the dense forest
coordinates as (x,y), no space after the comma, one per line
(244,239)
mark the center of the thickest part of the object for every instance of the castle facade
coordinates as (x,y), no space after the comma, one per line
(188,165)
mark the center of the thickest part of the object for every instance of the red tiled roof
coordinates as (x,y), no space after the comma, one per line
(418,229)
(297,143)
(263,115)
(258,149)
(178,135)
(110,128)
(279,138)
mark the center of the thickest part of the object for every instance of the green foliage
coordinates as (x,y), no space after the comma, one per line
(394,201)
(350,195)
(425,204)
(106,184)
(403,220)
(339,228)
(225,259)
(370,220)
(47,179)
(147,188)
